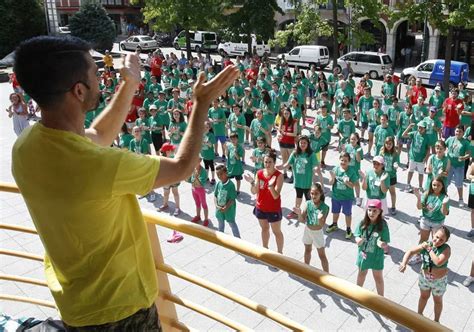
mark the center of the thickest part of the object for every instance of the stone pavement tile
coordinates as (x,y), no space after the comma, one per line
(327,323)
(10,288)
(21,267)
(222,305)
(248,318)
(50,312)
(470,323)
(194,293)
(269,325)
(244,287)
(34,311)
(310,297)
(457,316)
(269,298)
(367,320)
(198,321)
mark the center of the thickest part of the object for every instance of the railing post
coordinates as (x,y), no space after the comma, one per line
(166,309)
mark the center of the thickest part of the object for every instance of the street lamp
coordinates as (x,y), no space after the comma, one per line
(424,54)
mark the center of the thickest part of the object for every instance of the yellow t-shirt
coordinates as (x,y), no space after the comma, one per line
(82,199)
(108,61)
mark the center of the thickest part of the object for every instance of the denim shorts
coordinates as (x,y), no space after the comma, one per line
(458,174)
(221,139)
(428,225)
(345,205)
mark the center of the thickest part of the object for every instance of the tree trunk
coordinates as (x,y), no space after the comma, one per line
(447,60)
(335,46)
(188,44)
(249,44)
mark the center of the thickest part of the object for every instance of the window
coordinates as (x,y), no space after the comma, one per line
(386,59)
(428,67)
(209,36)
(321,52)
(136,40)
(295,51)
(368,58)
(350,57)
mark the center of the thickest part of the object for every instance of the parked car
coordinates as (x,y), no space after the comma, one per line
(139,43)
(306,56)
(64,30)
(200,41)
(239,46)
(163,39)
(432,71)
(374,63)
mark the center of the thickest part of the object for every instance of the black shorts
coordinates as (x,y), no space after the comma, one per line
(157,139)
(268,216)
(364,125)
(248,119)
(237,177)
(142,320)
(286,145)
(325,147)
(209,164)
(393,181)
(470,201)
(300,192)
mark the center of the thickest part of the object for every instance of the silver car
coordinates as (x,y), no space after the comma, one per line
(139,43)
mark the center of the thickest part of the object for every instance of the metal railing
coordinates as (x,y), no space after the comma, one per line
(166,300)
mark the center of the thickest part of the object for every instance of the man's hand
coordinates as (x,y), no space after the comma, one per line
(207,92)
(130,71)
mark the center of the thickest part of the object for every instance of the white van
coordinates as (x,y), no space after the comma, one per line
(200,41)
(374,63)
(239,46)
(306,56)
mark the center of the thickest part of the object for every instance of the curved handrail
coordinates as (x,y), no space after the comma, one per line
(344,288)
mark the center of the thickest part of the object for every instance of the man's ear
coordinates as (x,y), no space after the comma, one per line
(79,91)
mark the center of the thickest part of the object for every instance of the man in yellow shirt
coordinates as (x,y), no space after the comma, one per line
(82,195)
(108,60)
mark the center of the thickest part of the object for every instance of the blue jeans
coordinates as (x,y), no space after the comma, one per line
(233,227)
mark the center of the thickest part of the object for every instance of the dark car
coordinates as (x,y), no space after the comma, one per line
(163,39)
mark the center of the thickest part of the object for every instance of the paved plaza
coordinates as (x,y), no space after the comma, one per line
(288,295)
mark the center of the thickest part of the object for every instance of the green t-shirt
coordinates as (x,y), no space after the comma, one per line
(346,128)
(365,104)
(373,181)
(419,146)
(457,148)
(285,89)
(380,135)
(217,114)
(389,161)
(145,133)
(234,159)
(340,191)
(207,149)
(237,120)
(431,207)
(313,211)
(256,127)
(353,152)
(326,123)
(419,112)
(374,116)
(267,110)
(374,255)
(156,124)
(466,119)
(405,120)
(155,88)
(438,103)
(437,167)
(393,114)
(201,177)
(302,165)
(225,192)
(317,143)
(259,155)
(432,125)
(179,104)
(388,91)
(140,147)
(124,140)
(178,128)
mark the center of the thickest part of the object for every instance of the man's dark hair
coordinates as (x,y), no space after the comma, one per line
(47,67)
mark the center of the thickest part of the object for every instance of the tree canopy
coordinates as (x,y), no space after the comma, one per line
(21,19)
(92,24)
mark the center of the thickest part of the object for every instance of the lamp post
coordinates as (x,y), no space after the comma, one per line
(424,43)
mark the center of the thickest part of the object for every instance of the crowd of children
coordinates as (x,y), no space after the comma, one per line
(270,104)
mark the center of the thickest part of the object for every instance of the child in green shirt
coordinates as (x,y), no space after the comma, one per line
(234,152)
(225,200)
(372,236)
(198,180)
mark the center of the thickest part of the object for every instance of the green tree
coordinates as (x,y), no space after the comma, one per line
(92,24)
(444,15)
(166,15)
(21,19)
(309,24)
(253,16)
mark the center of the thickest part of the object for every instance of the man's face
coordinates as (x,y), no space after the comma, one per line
(93,94)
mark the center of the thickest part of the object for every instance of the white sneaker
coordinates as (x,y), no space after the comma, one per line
(358,201)
(461,203)
(468,281)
